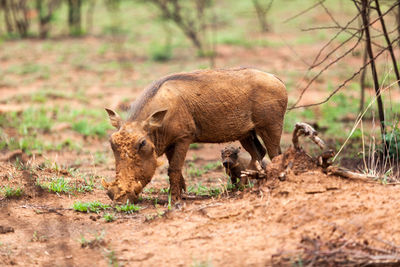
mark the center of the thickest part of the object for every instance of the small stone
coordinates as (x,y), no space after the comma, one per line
(6,229)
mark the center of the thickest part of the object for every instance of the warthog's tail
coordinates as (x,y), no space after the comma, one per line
(261,151)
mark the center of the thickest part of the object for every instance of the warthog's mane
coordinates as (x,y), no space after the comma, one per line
(152,90)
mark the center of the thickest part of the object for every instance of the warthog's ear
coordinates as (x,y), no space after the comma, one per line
(115,119)
(156,119)
(236,150)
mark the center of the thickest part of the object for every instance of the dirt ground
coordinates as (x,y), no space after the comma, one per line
(237,229)
(225,229)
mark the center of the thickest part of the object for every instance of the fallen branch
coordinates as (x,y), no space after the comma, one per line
(345,173)
(304,129)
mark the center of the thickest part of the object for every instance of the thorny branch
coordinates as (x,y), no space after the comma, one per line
(345,28)
(345,82)
(304,11)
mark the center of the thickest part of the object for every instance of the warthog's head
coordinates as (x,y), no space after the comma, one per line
(229,156)
(135,156)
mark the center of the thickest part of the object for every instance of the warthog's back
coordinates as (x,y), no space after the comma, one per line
(219,105)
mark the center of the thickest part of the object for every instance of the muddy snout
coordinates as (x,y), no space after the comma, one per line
(112,191)
(115,194)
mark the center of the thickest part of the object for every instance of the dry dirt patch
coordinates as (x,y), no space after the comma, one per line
(231,229)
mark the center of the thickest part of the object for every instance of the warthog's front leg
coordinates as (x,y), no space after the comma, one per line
(176,155)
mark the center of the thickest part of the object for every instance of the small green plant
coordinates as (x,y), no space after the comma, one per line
(94,206)
(127,208)
(61,185)
(109,217)
(164,190)
(153,216)
(68,144)
(212,166)
(112,258)
(202,190)
(150,190)
(195,171)
(10,192)
(87,185)
(86,128)
(392,140)
(58,185)
(36,237)
(96,241)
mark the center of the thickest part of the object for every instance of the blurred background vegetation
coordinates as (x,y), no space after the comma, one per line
(164,24)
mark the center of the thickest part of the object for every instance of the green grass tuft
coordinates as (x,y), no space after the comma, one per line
(10,192)
(61,185)
(109,217)
(127,208)
(201,190)
(94,206)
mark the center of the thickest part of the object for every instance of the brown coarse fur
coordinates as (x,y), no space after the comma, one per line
(210,106)
(234,162)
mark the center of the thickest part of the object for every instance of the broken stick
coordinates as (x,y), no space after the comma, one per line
(349,174)
(305,129)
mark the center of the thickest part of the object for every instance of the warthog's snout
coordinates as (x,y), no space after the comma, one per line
(111,193)
(118,195)
(114,193)
(227,163)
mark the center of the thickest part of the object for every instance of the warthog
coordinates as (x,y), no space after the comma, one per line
(234,162)
(207,106)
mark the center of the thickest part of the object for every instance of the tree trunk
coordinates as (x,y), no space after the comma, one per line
(45,12)
(19,13)
(364,14)
(362,79)
(262,14)
(6,10)
(74,17)
(398,23)
(388,42)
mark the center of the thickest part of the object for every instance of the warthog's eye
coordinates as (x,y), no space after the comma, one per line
(142,144)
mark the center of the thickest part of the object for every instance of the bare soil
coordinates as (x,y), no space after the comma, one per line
(242,228)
